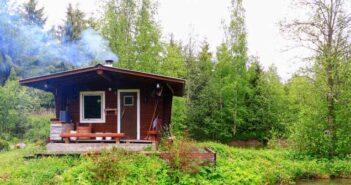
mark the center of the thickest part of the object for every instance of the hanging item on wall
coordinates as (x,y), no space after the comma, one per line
(159,89)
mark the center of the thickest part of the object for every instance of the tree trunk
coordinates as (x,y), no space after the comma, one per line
(331,106)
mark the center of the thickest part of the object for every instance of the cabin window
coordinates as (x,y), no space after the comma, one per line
(128,101)
(92,105)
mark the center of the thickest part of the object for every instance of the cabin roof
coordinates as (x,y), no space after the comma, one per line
(51,81)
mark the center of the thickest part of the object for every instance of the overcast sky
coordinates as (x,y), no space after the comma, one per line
(203,19)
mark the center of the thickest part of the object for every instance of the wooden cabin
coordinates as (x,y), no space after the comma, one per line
(107,106)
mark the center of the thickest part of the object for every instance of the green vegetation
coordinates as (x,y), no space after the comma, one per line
(228,96)
(21,117)
(322,119)
(16,170)
(75,24)
(234,166)
(4,145)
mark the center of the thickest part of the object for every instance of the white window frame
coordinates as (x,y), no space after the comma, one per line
(81,110)
(119,109)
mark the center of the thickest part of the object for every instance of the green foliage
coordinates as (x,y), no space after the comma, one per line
(16,103)
(173,63)
(228,95)
(307,128)
(178,115)
(119,167)
(38,127)
(147,39)
(4,145)
(265,104)
(221,103)
(234,166)
(308,111)
(134,34)
(16,170)
(249,166)
(33,15)
(200,96)
(324,117)
(117,25)
(16,114)
(75,23)
(180,156)
(232,98)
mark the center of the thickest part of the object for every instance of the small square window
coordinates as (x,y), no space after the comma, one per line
(128,101)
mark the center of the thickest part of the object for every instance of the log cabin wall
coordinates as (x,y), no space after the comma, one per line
(68,97)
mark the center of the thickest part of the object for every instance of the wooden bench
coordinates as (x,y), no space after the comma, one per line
(66,136)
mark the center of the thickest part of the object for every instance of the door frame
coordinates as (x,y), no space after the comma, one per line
(119,109)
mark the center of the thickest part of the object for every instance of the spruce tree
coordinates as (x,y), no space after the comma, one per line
(33,14)
(74,24)
(202,102)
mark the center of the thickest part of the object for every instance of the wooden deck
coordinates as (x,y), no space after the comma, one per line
(95,147)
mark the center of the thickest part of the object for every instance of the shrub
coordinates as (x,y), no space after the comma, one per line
(38,127)
(16,103)
(180,155)
(119,167)
(4,145)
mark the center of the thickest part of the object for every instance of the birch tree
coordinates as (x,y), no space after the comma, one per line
(326,32)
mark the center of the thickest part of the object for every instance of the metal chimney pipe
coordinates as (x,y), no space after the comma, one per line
(108,63)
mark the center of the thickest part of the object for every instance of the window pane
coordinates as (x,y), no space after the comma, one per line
(128,100)
(92,107)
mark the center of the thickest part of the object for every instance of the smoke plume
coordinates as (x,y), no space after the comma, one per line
(21,42)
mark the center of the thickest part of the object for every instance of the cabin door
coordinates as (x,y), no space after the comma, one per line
(129,113)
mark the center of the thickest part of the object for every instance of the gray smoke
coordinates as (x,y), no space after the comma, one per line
(20,41)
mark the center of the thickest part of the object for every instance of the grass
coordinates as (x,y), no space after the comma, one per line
(234,166)
(16,170)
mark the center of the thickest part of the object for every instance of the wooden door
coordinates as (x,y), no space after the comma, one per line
(128,113)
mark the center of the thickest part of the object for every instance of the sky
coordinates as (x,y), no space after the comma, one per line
(203,19)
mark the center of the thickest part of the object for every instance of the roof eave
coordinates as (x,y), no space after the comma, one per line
(38,79)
